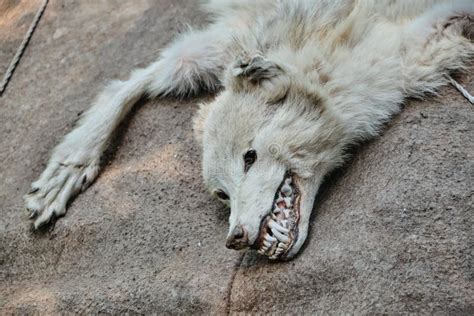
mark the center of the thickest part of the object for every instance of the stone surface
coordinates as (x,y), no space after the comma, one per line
(15,19)
(146,237)
(392,232)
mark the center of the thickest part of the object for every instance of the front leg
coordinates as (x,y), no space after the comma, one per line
(192,63)
(74,163)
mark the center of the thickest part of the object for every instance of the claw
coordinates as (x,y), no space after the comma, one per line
(33,213)
(33,190)
(84,183)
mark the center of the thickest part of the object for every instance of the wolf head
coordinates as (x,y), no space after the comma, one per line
(268,140)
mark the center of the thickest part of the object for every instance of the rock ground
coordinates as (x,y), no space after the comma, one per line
(392,232)
(15,19)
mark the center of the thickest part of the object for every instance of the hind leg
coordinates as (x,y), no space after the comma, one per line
(192,63)
(437,44)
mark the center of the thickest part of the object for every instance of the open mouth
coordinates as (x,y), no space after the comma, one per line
(279,229)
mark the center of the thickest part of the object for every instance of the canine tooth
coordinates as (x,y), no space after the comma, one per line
(278,227)
(286,190)
(270,238)
(279,235)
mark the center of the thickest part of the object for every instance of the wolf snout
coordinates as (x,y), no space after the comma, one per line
(238,238)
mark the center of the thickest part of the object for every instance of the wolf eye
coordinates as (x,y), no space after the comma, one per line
(221,195)
(249,158)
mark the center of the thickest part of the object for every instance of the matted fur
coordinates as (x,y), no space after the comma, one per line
(298,81)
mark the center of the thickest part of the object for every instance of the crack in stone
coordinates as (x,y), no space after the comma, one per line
(231,282)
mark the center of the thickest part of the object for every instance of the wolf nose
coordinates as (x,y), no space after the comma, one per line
(238,239)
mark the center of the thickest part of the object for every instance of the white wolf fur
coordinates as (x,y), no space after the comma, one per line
(307,79)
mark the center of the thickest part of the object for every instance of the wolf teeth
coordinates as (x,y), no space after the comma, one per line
(280,236)
(270,238)
(286,190)
(279,202)
(278,227)
(281,248)
(280,222)
(279,251)
(274,216)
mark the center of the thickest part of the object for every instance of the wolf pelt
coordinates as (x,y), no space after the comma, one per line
(297,81)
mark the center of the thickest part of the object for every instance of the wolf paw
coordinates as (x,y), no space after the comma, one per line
(60,181)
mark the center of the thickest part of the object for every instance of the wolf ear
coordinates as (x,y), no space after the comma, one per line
(254,72)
